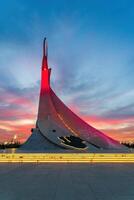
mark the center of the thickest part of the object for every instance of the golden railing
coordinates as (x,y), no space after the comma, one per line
(67,157)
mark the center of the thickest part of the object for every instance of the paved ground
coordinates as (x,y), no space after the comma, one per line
(66,182)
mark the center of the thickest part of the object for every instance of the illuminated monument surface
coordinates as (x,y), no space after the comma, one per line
(58,128)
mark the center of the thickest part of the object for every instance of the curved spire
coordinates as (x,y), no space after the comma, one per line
(45,54)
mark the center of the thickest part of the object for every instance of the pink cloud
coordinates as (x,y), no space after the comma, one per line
(19,115)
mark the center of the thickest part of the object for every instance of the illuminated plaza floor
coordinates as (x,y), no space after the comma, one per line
(66,181)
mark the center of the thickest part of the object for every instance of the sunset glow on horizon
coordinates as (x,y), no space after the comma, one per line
(23,122)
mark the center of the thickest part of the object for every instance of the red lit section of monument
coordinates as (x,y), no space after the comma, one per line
(45,80)
(45,72)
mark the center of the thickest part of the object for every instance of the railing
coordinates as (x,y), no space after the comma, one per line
(67,157)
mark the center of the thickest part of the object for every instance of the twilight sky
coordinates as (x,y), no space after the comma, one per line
(91,53)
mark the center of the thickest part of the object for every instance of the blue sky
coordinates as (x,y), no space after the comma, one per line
(91,53)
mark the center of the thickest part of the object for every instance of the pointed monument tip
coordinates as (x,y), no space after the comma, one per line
(45,50)
(45,54)
(44,43)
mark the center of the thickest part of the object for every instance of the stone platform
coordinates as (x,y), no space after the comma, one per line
(66,181)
